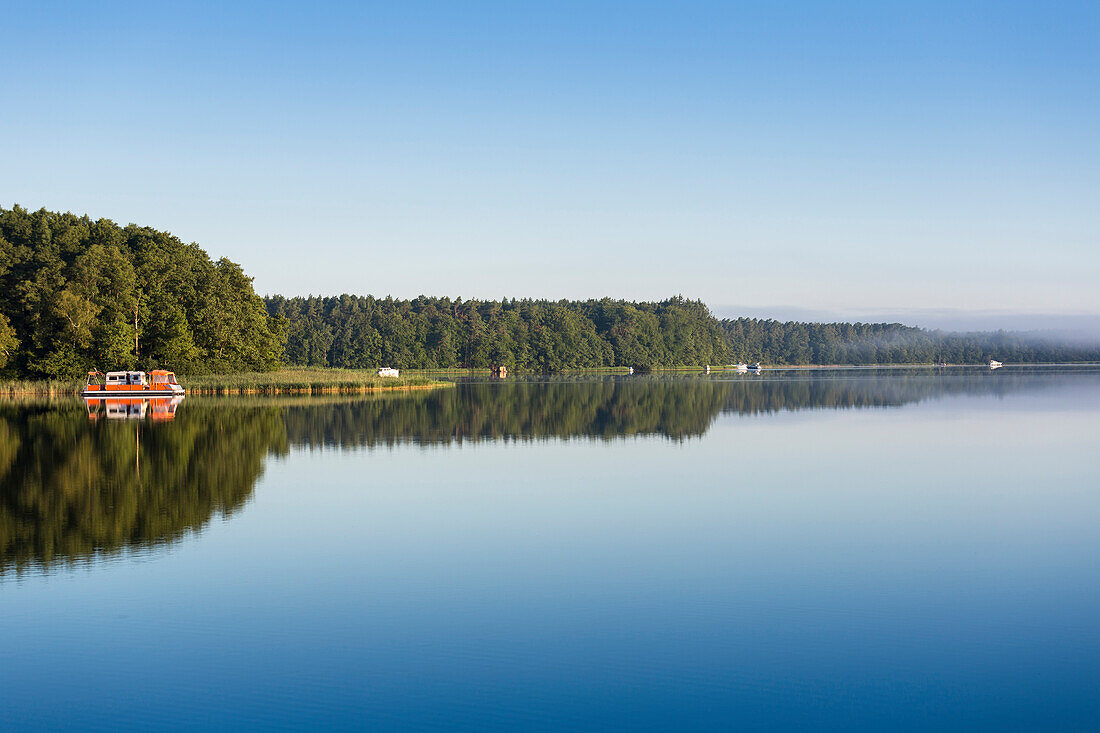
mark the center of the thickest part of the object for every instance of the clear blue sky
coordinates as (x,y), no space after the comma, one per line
(818,155)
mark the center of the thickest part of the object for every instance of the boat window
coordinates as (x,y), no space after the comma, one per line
(172,379)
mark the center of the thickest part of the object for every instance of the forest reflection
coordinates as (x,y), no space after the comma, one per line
(611,408)
(74,488)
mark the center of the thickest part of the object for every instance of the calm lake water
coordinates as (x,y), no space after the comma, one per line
(908,549)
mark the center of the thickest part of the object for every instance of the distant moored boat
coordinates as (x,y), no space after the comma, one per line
(995,364)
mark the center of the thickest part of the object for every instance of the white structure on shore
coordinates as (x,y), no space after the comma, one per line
(388,372)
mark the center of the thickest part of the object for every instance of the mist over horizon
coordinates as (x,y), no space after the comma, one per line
(1081,328)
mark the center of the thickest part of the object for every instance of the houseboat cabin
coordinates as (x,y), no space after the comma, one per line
(115,379)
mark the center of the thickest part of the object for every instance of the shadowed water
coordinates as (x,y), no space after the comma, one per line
(813,550)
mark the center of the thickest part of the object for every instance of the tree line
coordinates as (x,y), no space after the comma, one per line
(541,335)
(78,294)
(71,289)
(794,343)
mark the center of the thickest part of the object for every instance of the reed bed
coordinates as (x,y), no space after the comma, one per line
(39,387)
(306,381)
(302,381)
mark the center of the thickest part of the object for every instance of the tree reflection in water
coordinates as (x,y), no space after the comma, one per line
(72,489)
(610,408)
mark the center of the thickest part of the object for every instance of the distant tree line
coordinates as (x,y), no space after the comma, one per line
(363,331)
(70,289)
(794,342)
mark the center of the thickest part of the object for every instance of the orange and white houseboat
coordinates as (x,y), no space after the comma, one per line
(159,383)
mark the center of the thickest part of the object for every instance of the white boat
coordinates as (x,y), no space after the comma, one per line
(741,368)
(995,364)
(389,372)
(754,367)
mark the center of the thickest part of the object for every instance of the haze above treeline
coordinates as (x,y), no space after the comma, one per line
(70,287)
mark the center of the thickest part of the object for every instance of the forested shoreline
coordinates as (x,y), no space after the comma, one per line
(71,289)
(79,294)
(539,335)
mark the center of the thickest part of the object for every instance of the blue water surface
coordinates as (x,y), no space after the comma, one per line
(866,551)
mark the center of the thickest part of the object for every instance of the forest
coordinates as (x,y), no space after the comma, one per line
(71,289)
(537,335)
(793,342)
(547,336)
(78,294)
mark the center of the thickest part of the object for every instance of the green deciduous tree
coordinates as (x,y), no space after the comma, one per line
(69,287)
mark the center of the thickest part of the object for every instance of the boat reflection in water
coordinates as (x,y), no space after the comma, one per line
(126,408)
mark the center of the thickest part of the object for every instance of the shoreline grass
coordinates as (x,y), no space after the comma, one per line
(291,380)
(40,387)
(306,380)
